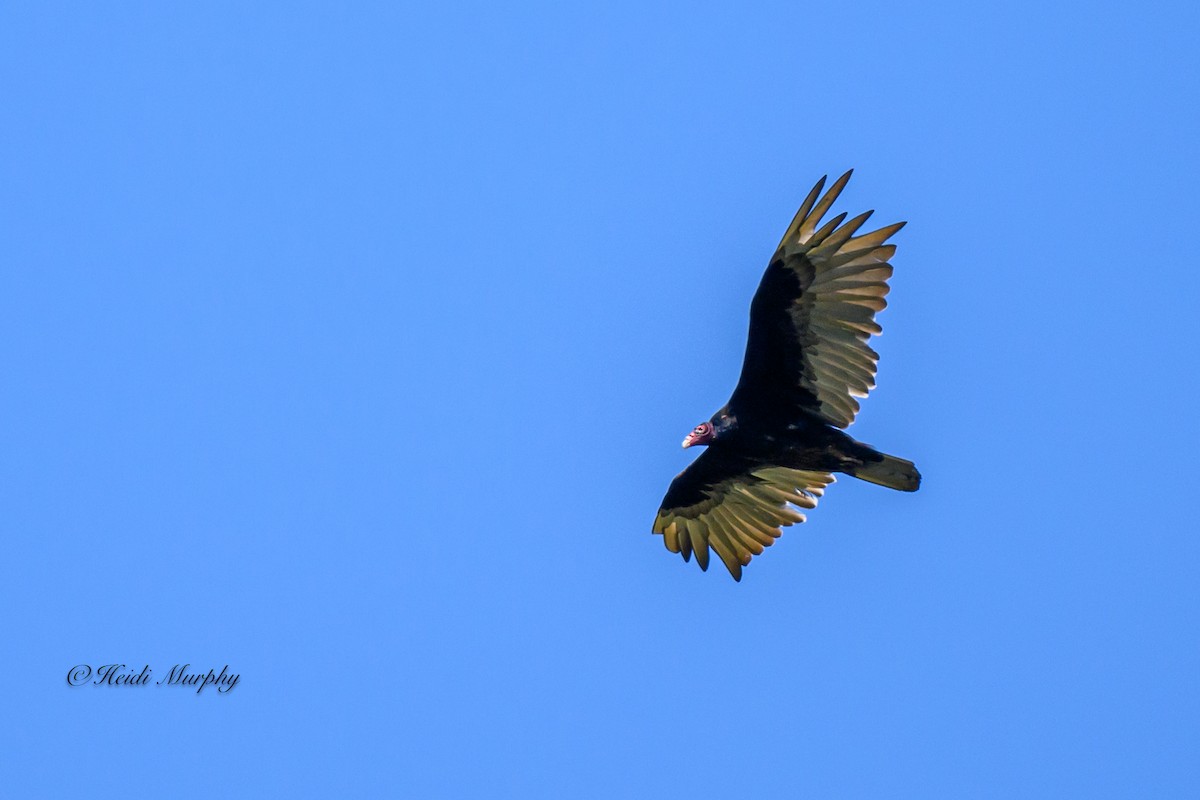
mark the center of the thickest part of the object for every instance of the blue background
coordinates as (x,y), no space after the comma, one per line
(351,346)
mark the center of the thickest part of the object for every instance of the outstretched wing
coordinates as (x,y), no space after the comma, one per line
(813,314)
(736,506)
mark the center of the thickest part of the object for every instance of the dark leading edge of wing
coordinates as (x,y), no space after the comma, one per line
(813,314)
(735,505)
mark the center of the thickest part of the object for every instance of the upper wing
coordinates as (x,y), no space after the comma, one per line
(813,314)
(734,505)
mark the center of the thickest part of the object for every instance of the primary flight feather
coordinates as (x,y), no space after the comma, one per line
(777,442)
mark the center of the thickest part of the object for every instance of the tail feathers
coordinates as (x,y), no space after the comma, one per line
(892,472)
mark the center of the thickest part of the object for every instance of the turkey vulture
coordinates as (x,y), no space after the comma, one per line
(776,443)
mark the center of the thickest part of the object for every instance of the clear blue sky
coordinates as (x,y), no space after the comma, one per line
(352,347)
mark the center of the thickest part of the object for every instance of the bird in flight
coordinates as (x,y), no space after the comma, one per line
(775,445)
